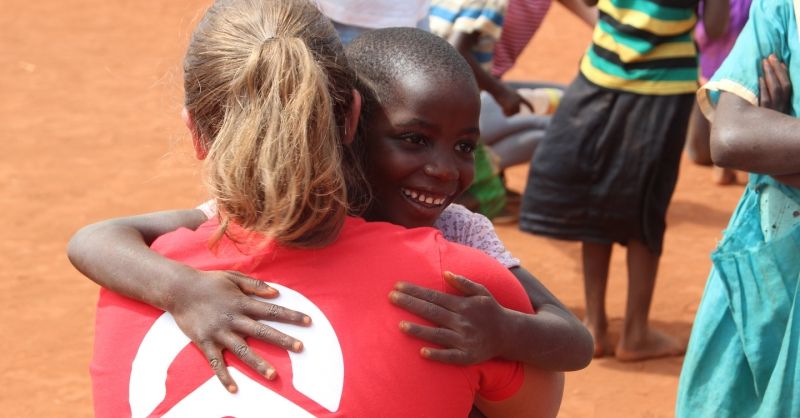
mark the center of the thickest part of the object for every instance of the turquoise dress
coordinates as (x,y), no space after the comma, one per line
(742,359)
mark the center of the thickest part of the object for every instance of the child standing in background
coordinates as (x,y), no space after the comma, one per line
(607,168)
(713,51)
(742,359)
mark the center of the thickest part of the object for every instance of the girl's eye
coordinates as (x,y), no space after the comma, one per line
(414,139)
(466,147)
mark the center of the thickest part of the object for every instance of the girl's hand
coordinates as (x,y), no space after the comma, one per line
(471,327)
(775,86)
(216,313)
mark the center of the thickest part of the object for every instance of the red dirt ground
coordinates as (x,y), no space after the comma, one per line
(90,130)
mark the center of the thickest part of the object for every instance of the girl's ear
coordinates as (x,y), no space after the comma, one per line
(199,147)
(351,121)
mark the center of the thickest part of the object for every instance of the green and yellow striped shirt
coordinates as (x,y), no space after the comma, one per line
(644,47)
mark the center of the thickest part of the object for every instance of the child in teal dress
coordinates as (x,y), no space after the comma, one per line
(743,352)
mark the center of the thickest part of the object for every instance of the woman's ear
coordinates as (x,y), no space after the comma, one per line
(199,147)
(351,121)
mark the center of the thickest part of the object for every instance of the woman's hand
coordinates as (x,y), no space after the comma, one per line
(775,87)
(471,327)
(216,313)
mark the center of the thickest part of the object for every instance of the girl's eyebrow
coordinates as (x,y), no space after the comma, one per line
(417,122)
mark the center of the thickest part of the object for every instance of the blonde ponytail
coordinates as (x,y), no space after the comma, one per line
(269,97)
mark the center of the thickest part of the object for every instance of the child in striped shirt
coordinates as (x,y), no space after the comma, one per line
(608,165)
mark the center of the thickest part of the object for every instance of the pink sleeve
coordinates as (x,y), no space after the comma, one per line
(499,379)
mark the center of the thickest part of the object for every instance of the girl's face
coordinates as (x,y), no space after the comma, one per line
(419,149)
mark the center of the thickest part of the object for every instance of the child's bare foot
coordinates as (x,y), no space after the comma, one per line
(724,176)
(655,344)
(602,343)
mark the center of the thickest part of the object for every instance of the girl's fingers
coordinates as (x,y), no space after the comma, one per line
(778,90)
(764,97)
(444,300)
(238,346)
(778,68)
(270,312)
(214,356)
(255,329)
(771,80)
(436,335)
(422,308)
(449,355)
(465,285)
(251,286)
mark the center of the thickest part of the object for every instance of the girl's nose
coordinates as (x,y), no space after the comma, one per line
(442,170)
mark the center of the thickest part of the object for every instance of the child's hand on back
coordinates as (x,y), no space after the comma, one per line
(470,327)
(216,313)
(775,86)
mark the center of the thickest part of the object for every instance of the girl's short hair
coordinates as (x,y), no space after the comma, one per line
(383,56)
(268,87)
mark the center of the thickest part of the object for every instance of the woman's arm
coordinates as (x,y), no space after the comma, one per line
(716,16)
(212,308)
(475,328)
(540,396)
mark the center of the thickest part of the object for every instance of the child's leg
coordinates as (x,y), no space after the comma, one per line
(639,341)
(596,258)
(517,148)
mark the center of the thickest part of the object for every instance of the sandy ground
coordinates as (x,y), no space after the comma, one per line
(89,129)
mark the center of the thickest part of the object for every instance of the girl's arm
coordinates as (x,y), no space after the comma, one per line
(758,139)
(475,328)
(212,308)
(716,16)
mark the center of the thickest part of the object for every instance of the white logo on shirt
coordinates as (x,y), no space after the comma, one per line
(318,371)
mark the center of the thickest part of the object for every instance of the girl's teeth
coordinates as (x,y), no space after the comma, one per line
(423,198)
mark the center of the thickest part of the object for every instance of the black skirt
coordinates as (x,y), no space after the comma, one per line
(607,167)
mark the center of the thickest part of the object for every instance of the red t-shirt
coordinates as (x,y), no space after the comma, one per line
(355,362)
